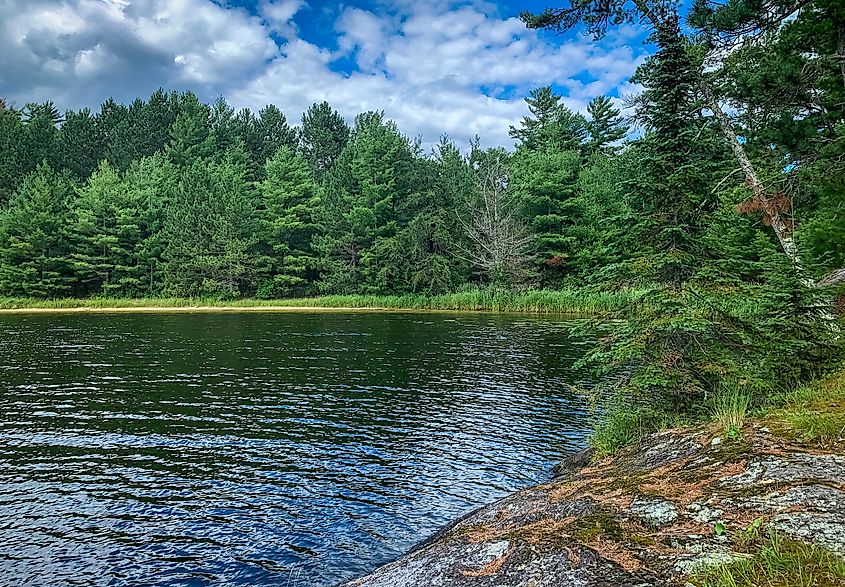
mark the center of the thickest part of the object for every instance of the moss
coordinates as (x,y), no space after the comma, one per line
(731,451)
(640,539)
(597,526)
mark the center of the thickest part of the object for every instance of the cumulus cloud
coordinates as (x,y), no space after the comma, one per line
(434,66)
(278,14)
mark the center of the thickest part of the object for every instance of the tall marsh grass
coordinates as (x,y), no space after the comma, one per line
(571,301)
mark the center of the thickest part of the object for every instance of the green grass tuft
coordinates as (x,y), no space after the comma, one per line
(729,407)
(777,562)
(813,413)
(623,426)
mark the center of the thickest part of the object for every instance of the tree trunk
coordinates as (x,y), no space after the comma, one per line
(840,51)
(782,229)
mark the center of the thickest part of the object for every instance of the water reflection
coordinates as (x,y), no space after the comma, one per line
(289,449)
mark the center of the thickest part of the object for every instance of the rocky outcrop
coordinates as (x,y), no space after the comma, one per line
(646,517)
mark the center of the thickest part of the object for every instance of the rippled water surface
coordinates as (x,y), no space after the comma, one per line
(272,449)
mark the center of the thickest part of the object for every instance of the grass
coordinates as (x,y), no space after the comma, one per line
(729,407)
(623,426)
(571,301)
(812,414)
(777,562)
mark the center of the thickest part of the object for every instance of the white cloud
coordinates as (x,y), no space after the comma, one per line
(431,66)
(279,13)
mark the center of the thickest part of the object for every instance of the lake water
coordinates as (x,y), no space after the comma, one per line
(289,449)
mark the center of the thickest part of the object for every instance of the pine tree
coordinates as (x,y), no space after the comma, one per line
(40,135)
(211,233)
(604,217)
(290,200)
(273,133)
(79,148)
(106,236)
(12,154)
(33,237)
(323,135)
(606,127)
(151,122)
(553,126)
(224,125)
(191,137)
(115,136)
(152,183)
(668,346)
(363,193)
(544,183)
(431,239)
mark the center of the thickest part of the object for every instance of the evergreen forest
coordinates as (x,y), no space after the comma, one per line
(717,192)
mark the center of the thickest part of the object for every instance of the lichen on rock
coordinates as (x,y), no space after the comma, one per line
(647,516)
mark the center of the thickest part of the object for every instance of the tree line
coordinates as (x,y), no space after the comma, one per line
(170,196)
(726,208)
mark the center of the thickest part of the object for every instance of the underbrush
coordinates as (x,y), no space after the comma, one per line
(624,425)
(729,408)
(811,414)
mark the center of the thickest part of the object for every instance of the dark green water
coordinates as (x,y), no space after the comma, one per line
(272,449)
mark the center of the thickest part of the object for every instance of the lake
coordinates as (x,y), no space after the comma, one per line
(291,449)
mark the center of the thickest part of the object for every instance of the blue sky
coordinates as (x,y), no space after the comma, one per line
(440,66)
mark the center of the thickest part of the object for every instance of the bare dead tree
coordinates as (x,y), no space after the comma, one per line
(500,244)
(774,207)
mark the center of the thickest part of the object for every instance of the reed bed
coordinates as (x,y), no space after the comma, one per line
(570,301)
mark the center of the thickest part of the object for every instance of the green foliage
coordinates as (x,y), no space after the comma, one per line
(191,137)
(323,136)
(625,425)
(668,345)
(210,233)
(365,193)
(151,184)
(290,200)
(13,162)
(34,237)
(813,413)
(79,147)
(552,125)
(606,126)
(545,182)
(776,561)
(106,235)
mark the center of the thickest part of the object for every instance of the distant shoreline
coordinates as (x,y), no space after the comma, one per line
(569,301)
(225,310)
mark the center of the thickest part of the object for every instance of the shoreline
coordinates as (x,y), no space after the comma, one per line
(699,504)
(206,309)
(648,516)
(561,302)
